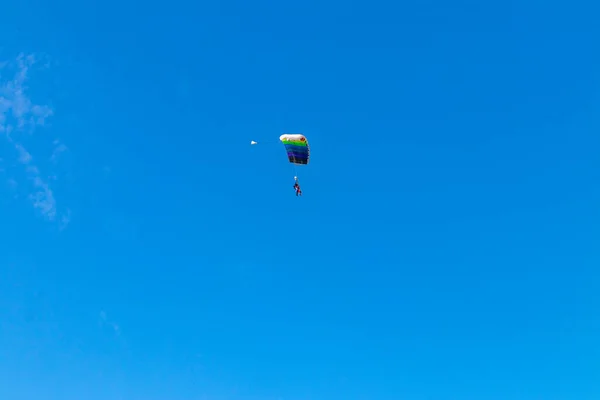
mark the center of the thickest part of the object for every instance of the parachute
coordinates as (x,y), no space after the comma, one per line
(298,150)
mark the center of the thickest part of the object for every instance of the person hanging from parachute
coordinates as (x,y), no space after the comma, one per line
(297,187)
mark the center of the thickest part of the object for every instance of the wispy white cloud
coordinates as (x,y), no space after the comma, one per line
(19,115)
(65,219)
(104,321)
(24,155)
(15,103)
(59,148)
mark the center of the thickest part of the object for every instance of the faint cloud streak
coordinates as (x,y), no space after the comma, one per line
(19,115)
(59,148)
(104,321)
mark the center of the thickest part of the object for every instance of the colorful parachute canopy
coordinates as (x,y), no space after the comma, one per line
(297,148)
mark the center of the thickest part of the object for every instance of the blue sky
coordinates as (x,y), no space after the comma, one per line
(446,246)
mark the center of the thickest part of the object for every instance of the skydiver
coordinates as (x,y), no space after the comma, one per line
(298,190)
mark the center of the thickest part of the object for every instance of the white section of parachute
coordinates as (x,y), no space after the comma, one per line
(253,142)
(291,136)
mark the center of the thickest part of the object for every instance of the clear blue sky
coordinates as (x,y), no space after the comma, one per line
(446,246)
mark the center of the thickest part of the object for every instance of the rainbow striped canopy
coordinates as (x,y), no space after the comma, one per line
(297,148)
